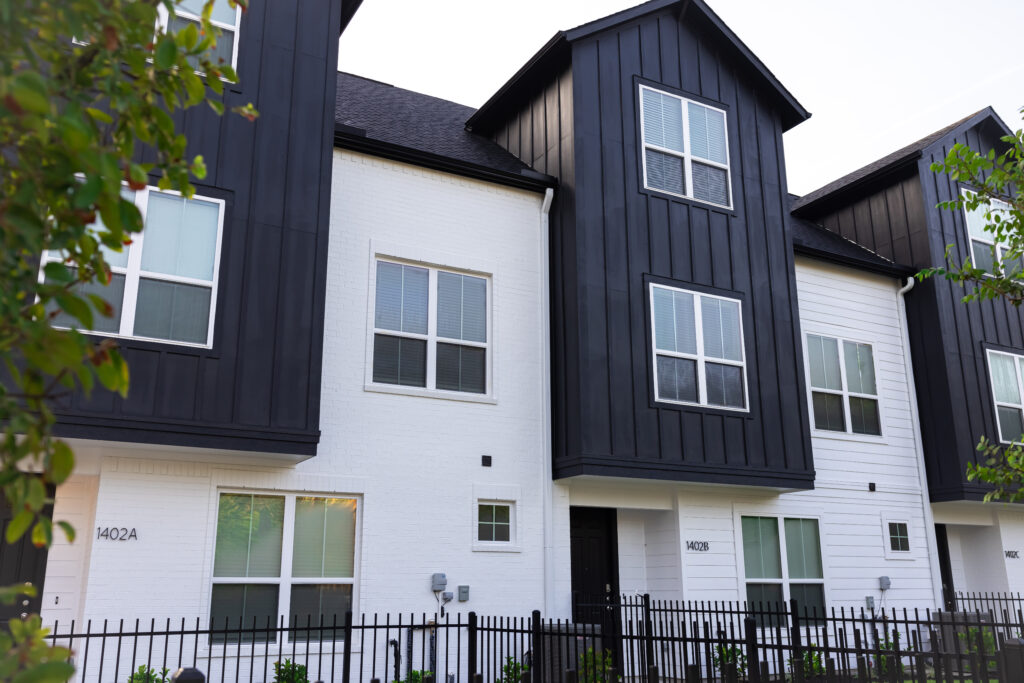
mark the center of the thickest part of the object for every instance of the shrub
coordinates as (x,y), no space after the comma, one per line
(290,672)
(512,671)
(814,665)
(593,667)
(723,656)
(147,675)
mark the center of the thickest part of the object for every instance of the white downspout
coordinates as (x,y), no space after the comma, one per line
(929,519)
(546,483)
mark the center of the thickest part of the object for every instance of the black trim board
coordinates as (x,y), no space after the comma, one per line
(895,270)
(350,138)
(662,471)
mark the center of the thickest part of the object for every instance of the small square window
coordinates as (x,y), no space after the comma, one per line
(899,537)
(494,523)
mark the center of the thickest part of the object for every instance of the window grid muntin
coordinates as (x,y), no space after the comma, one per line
(686,155)
(133,274)
(899,531)
(845,393)
(285,580)
(699,357)
(431,337)
(1017,361)
(786,581)
(494,524)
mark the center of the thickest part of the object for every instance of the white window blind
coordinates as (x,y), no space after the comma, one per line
(686,149)
(698,348)
(984,249)
(778,567)
(844,395)
(1005,372)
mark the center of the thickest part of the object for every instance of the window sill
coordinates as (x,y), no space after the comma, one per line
(430,393)
(900,556)
(849,436)
(483,547)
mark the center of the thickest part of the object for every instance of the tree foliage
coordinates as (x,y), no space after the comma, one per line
(994,181)
(88,89)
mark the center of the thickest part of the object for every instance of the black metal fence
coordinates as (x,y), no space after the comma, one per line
(634,639)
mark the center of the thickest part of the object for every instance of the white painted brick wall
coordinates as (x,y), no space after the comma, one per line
(414,462)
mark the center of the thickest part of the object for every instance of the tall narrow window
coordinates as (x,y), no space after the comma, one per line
(844,395)
(1005,371)
(779,567)
(164,284)
(430,329)
(984,249)
(686,149)
(698,348)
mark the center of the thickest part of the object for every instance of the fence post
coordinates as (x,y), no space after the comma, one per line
(189,675)
(794,635)
(753,666)
(471,644)
(648,631)
(346,657)
(652,674)
(693,673)
(538,647)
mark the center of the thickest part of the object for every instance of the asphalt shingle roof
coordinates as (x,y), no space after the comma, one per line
(879,165)
(417,121)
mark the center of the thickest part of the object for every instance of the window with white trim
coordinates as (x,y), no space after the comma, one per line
(685,147)
(984,248)
(431,328)
(494,522)
(1006,371)
(164,284)
(277,555)
(223,16)
(844,393)
(783,562)
(698,348)
(899,537)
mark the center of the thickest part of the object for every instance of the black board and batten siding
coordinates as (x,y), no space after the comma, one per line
(609,236)
(258,388)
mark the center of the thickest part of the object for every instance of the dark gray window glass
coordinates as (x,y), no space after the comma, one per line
(828,412)
(494,522)
(810,600)
(243,605)
(1011,426)
(710,183)
(315,601)
(665,172)
(864,416)
(724,385)
(677,379)
(766,600)
(173,311)
(399,360)
(113,294)
(461,368)
(899,537)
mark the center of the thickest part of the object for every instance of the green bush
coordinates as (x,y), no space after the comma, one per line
(416,676)
(290,672)
(814,665)
(593,667)
(148,675)
(511,671)
(723,656)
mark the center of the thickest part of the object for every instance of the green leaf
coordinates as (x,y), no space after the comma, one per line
(62,462)
(99,115)
(19,525)
(29,91)
(58,273)
(42,533)
(166,52)
(47,672)
(76,307)
(69,531)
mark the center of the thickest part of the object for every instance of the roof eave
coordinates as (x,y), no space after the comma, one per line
(347,137)
(894,270)
(894,168)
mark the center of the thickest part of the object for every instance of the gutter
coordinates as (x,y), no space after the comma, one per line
(926,508)
(547,485)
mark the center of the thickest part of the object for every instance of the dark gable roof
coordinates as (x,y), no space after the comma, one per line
(889,163)
(556,54)
(348,10)
(409,126)
(815,241)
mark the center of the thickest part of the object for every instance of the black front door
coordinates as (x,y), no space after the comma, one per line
(945,568)
(19,563)
(593,539)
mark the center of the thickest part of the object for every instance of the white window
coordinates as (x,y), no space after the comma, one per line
(1005,372)
(844,394)
(223,16)
(984,249)
(431,329)
(686,147)
(494,522)
(164,284)
(780,567)
(282,555)
(698,348)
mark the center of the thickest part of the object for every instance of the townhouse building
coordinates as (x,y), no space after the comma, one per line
(578,342)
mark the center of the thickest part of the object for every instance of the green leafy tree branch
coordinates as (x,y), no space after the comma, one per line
(86,88)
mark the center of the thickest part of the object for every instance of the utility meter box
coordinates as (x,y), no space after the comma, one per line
(438,582)
(884,583)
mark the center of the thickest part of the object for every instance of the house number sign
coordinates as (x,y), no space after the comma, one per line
(698,546)
(116,533)
(1012,554)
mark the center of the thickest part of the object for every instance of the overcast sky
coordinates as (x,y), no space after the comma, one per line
(875,74)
